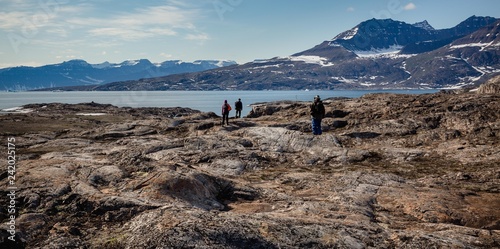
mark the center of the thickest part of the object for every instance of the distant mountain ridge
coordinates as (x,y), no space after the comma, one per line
(80,72)
(376,54)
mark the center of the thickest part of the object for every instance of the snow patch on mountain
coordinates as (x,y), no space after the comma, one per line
(478,44)
(391,51)
(93,81)
(103,65)
(261,61)
(266,66)
(312,59)
(224,63)
(130,63)
(347,35)
(220,63)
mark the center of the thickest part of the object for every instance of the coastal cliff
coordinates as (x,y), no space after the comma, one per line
(389,171)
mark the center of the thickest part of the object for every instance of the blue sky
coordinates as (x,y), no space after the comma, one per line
(38,32)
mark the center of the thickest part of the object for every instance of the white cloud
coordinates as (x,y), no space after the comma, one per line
(161,31)
(122,33)
(165,55)
(65,20)
(106,44)
(130,33)
(410,6)
(350,9)
(24,63)
(58,31)
(141,23)
(58,43)
(13,20)
(15,5)
(80,8)
(197,37)
(86,27)
(20,15)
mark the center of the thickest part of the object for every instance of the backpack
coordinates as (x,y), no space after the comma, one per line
(226,108)
(318,110)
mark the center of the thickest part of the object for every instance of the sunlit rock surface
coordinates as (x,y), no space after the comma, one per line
(390,171)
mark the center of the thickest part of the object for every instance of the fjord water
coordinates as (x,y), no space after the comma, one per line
(206,101)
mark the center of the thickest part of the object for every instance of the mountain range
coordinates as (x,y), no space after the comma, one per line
(79,72)
(375,54)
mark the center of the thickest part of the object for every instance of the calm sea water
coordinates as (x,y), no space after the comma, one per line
(206,101)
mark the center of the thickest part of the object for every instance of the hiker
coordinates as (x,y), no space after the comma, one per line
(238,106)
(226,108)
(317,114)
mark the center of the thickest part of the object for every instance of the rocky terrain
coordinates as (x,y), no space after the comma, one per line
(490,87)
(389,171)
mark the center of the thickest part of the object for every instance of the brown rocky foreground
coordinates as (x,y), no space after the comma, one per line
(390,171)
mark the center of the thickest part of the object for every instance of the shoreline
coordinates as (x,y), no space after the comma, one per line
(135,99)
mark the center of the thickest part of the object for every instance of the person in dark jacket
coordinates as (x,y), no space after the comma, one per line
(238,106)
(226,108)
(317,114)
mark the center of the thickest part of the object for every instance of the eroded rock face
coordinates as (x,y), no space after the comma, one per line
(490,87)
(390,171)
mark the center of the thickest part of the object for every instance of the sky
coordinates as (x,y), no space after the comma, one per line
(40,32)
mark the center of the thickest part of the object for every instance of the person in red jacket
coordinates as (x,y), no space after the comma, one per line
(226,108)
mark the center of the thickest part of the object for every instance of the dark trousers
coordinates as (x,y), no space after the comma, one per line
(238,113)
(316,126)
(225,118)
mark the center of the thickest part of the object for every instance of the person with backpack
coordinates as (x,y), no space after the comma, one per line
(226,108)
(317,114)
(238,105)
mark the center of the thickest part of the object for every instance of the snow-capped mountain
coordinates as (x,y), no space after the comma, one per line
(380,34)
(376,54)
(79,72)
(467,60)
(377,36)
(393,54)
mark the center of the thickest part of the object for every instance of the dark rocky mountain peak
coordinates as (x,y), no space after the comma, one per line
(105,64)
(488,34)
(170,63)
(74,63)
(473,22)
(380,34)
(423,25)
(376,34)
(141,62)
